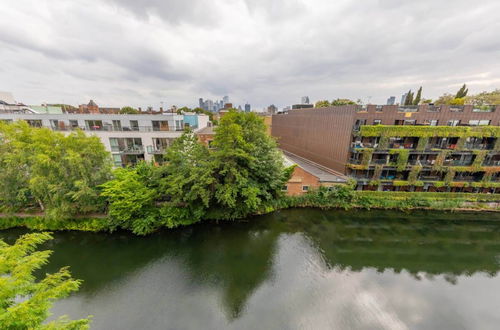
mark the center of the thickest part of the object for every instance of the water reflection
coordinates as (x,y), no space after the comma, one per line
(291,269)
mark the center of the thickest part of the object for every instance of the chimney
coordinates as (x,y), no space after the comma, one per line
(140,110)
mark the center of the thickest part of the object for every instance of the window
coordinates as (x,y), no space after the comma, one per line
(117,125)
(34,122)
(410,122)
(94,125)
(117,160)
(433,122)
(54,123)
(134,125)
(484,122)
(284,188)
(377,122)
(179,125)
(160,125)
(453,122)
(73,123)
(473,122)
(305,188)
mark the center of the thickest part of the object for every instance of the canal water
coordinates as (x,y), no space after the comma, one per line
(293,269)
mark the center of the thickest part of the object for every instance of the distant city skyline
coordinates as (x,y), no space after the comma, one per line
(124,52)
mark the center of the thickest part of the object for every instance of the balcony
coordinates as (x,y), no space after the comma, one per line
(379,161)
(479,146)
(451,162)
(422,162)
(492,163)
(132,150)
(430,178)
(433,108)
(457,108)
(156,150)
(484,108)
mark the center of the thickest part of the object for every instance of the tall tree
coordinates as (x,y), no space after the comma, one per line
(462,92)
(409,98)
(24,302)
(249,169)
(186,181)
(418,97)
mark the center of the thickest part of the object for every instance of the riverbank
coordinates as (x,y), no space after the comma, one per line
(321,199)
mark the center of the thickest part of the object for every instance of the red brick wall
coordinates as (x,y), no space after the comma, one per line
(301,178)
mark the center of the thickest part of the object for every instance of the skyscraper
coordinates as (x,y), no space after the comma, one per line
(247,107)
(391,100)
(305,100)
(403,98)
(225,99)
(200,102)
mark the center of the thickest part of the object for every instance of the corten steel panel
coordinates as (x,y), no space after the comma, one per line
(322,135)
(390,114)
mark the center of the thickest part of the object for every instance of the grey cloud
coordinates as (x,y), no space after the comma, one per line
(253,50)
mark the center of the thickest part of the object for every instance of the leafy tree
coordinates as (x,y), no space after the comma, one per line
(409,98)
(417,99)
(485,98)
(58,173)
(131,197)
(462,92)
(182,110)
(342,102)
(129,111)
(446,98)
(322,104)
(186,181)
(249,169)
(25,303)
(457,101)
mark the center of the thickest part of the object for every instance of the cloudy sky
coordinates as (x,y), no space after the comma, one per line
(140,53)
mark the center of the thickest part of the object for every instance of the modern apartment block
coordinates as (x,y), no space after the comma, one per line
(402,148)
(129,138)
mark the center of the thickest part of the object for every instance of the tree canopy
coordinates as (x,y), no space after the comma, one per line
(59,174)
(24,302)
(129,111)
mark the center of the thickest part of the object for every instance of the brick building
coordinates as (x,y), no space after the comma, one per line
(423,148)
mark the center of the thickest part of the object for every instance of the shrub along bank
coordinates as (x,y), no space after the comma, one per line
(343,197)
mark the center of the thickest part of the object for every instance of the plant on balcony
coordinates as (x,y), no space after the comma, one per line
(438,165)
(422,143)
(367,157)
(448,178)
(429,131)
(402,160)
(478,161)
(413,175)
(377,172)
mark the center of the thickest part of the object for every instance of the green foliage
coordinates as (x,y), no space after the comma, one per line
(402,161)
(429,131)
(42,223)
(25,303)
(338,102)
(462,92)
(409,98)
(413,175)
(422,143)
(248,168)
(418,97)
(58,173)
(367,157)
(485,98)
(322,104)
(377,172)
(129,111)
(131,197)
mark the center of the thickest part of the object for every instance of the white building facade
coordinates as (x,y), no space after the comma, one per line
(129,138)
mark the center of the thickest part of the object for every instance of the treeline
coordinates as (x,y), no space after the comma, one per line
(68,176)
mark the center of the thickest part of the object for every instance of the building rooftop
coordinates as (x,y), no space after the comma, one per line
(206,130)
(323,173)
(46,109)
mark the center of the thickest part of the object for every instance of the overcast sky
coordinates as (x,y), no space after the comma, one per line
(140,53)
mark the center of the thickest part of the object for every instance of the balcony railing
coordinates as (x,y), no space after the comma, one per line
(484,108)
(379,161)
(132,150)
(457,163)
(156,150)
(118,129)
(423,162)
(479,146)
(429,178)
(433,108)
(401,146)
(492,163)
(457,108)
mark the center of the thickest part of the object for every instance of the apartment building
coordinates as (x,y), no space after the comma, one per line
(401,148)
(129,138)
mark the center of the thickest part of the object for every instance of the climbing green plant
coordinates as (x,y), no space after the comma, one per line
(438,165)
(415,170)
(367,157)
(402,161)
(450,174)
(429,131)
(422,143)
(377,172)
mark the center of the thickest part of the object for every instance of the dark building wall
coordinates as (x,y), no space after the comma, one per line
(322,135)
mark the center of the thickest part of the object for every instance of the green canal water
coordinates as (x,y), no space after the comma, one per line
(294,269)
